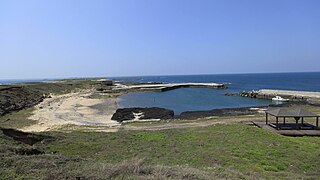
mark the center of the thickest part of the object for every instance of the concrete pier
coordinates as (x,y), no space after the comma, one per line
(167,87)
(287,94)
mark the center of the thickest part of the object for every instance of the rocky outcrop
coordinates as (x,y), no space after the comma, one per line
(28,151)
(251,94)
(142,113)
(17,98)
(217,112)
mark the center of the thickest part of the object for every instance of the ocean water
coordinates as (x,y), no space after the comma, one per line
(19,81)
(191,99)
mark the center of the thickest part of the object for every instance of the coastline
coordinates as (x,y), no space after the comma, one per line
(95,106)
(72,109)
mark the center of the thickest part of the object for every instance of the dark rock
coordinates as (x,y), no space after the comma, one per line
(107,83)
(217,112)
(147,113)
(232,94)
(100,89)
(28,151)
(251,94)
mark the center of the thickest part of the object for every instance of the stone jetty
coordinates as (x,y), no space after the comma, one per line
(270,93)
(167,87)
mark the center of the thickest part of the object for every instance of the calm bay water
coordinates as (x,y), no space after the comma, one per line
(191,99)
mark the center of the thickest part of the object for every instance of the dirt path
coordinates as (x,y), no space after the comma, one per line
(180,125)
(74,108)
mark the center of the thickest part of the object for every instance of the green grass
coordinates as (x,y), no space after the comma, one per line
(222,151)
(62,87)
(18,119)
(219,151)
(246,149)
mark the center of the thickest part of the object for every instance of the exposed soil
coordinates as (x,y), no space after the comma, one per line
(203,123)
(26,138)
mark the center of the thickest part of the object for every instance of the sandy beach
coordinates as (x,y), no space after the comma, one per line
(81,109)
(73,109)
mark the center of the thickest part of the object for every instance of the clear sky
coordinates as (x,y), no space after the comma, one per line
(90,38)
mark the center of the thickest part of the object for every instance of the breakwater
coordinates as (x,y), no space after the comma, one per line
(167,87)
(270,93)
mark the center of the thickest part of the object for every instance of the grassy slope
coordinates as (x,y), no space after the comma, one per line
(248,150)
(234,151)
(17,120)
(62,87)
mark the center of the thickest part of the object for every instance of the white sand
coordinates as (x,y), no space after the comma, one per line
(74,109)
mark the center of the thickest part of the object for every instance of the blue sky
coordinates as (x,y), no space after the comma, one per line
(81,38)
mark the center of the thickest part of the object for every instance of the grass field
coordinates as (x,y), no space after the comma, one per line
(225,151)
(18,119)
(221,151)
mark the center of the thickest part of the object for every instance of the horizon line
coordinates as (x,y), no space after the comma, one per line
(124,76)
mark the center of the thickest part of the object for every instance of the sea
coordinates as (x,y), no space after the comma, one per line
(19,81)
(195,99)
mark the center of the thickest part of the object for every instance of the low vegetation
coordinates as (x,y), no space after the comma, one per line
(213,152)
(18,119)
(221,151)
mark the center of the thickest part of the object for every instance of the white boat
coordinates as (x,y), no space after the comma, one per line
(279,98)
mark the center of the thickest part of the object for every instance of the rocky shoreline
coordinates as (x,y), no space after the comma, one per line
(124,114)
(17,97)
(138,113)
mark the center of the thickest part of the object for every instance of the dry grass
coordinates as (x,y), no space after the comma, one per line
(58,167)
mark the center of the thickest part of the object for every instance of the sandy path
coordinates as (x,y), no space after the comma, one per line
(75,109)
(193,124)
(231,120)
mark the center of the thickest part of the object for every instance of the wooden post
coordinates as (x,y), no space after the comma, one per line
(317,122)
(277,122)
(302,120)
(267,118)
(297,124)
(284,120)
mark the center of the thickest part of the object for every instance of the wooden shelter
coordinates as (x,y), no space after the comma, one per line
(297,114)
